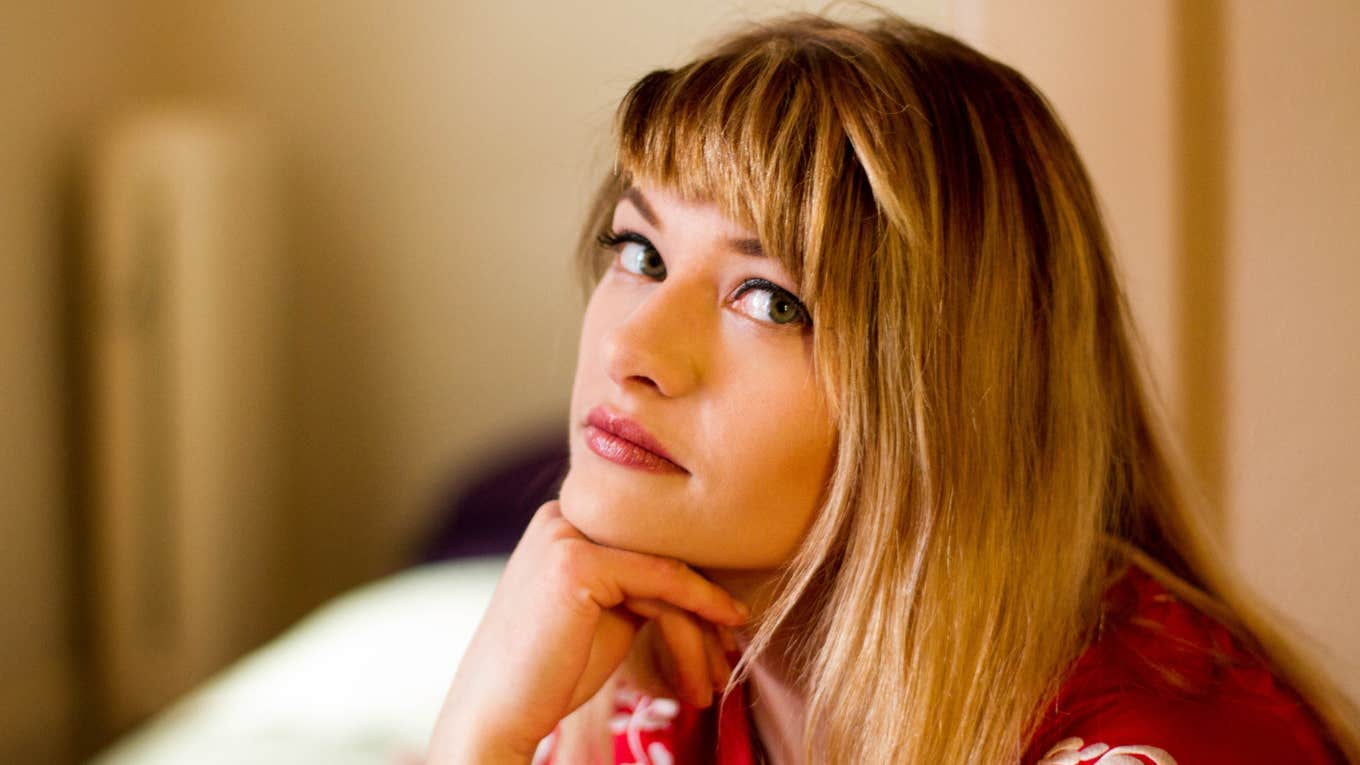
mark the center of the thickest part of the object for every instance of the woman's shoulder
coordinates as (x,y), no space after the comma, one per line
(1167,684)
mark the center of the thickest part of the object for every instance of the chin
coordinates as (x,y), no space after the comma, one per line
(623,517)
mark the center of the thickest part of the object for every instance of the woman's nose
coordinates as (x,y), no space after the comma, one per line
(657,344)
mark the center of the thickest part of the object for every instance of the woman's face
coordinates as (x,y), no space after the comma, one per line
(698,427)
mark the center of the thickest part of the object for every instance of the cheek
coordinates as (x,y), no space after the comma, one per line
(591,323)
(589,371)
(773,441)
(783,468)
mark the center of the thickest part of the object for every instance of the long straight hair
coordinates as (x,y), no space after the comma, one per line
(998,458)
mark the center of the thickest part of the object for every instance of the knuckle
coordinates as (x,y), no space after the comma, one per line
(555,528)
(560,528)
(569,561)
(570,571)
(671,570)
(678,579)
(580,599)
(545,513)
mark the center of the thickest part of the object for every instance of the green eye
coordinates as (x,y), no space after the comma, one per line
(639,258)
(767,302)
(636,255)
(782,311)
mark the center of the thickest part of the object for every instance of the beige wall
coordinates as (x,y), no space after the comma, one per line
(62,65)
(1293,100)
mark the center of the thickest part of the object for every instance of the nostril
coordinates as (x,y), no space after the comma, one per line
(644,380)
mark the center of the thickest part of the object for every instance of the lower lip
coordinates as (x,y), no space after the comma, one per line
(627,453)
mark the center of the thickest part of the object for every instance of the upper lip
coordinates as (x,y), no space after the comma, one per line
(620,426)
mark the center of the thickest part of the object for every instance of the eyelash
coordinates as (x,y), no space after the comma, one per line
(610,239)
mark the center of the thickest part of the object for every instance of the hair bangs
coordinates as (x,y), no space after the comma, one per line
(742,131)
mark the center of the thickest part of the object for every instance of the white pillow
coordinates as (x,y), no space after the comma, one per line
(360,680)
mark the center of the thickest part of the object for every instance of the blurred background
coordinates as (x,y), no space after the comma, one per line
(279,276)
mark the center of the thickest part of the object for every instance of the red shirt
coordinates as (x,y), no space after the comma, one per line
(1164,684)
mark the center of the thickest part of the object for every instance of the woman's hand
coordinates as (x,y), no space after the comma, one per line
(562,619)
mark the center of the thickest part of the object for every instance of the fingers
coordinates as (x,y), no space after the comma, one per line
(728,641)
(548,513)
(718,669)
(564,617)
(650,577)
(643,607)
(717,641)
(684,639)
(608,576)
(609,589)
(613,639)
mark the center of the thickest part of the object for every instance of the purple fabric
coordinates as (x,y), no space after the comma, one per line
(486,514)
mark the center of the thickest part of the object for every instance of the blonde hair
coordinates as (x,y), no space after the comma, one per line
(998,458)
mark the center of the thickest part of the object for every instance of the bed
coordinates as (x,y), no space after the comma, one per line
(361,680)
(358,682)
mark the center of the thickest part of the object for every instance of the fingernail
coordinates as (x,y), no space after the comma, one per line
(743,610)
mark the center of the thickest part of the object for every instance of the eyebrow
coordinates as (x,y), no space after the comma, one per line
(747,247)
(743,246)
(634,195)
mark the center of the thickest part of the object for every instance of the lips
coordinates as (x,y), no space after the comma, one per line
(624,442)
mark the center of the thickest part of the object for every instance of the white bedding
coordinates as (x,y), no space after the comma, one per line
(358,681)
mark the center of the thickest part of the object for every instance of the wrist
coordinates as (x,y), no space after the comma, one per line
(476,754)
(451,747)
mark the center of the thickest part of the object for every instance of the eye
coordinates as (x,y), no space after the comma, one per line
(766,301)
(642,259)
(636,253)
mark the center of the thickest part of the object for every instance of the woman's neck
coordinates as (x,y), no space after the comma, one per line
(777,706)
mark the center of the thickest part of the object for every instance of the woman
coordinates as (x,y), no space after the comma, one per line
(857,409)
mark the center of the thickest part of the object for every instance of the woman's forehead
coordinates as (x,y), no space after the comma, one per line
(700,187)
(660,204)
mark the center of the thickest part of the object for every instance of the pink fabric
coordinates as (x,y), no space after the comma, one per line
(1163,685)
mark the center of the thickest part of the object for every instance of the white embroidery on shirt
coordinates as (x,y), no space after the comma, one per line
(660,754)
(648,714)
(1074,751)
